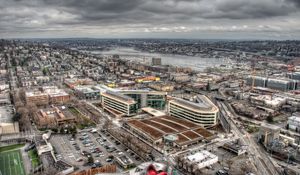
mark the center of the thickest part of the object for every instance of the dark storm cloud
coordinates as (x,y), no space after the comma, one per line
(145,15)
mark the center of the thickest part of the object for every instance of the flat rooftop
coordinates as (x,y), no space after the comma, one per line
(119,97)
(201,156)
(153,112)
(201,103)
(86,89)
(6,114)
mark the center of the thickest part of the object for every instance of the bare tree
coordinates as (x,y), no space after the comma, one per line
(24,120)
(22,95)
(32,108)
(18,104)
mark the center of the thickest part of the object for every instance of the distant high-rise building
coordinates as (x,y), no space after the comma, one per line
(156,61)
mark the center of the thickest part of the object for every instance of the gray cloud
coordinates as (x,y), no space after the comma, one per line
(100,18)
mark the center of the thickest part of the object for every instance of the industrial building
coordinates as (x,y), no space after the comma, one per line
(155,130)
(193,162)
(201,110)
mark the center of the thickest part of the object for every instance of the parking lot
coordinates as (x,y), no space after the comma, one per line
(99,145)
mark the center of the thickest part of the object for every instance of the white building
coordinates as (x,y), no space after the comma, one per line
(294,123)
(193,162)
(202,111)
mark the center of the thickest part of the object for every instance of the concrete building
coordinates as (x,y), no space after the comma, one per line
(143,98)
(146,98)
(52,117)
(201,111)
(86,92)
(124,161)
(7,126)
(118,104)
(293,122)
(72,82)
(192,162)
(268,133)
(294,75)
(282,84)
(156,61)
(258,81)
(47,95)
(271,101)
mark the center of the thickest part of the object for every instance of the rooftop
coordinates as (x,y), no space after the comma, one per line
(201,156)
(158,127)
(201,103)
(119,97)
(153,112)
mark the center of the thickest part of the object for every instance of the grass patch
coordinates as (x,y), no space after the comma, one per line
(252,129)
(11,162)
(11,147)
(74,111)
(33,155)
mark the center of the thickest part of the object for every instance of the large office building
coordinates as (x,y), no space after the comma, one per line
(137,98)
(118,104)
(282,84)
(201,111)
(146,98)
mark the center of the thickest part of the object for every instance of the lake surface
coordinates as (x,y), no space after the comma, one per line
(195,62)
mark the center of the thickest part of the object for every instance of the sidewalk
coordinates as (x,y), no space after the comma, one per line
(26,160)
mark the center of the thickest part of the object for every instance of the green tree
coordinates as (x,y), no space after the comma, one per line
(16,117)
(45,71)
(270,119)
(90,159)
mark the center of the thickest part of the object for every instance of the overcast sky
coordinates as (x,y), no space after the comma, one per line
(203,19)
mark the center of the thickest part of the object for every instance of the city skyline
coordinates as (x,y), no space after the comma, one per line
(204,19)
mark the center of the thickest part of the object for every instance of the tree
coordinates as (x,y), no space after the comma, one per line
(90,159)
(24,120)
(22,95)
(270,119)
(62,130)
(16,117)
(19,104)
(45,71)
(32,108)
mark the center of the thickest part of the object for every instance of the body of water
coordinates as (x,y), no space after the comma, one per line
(194,62)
